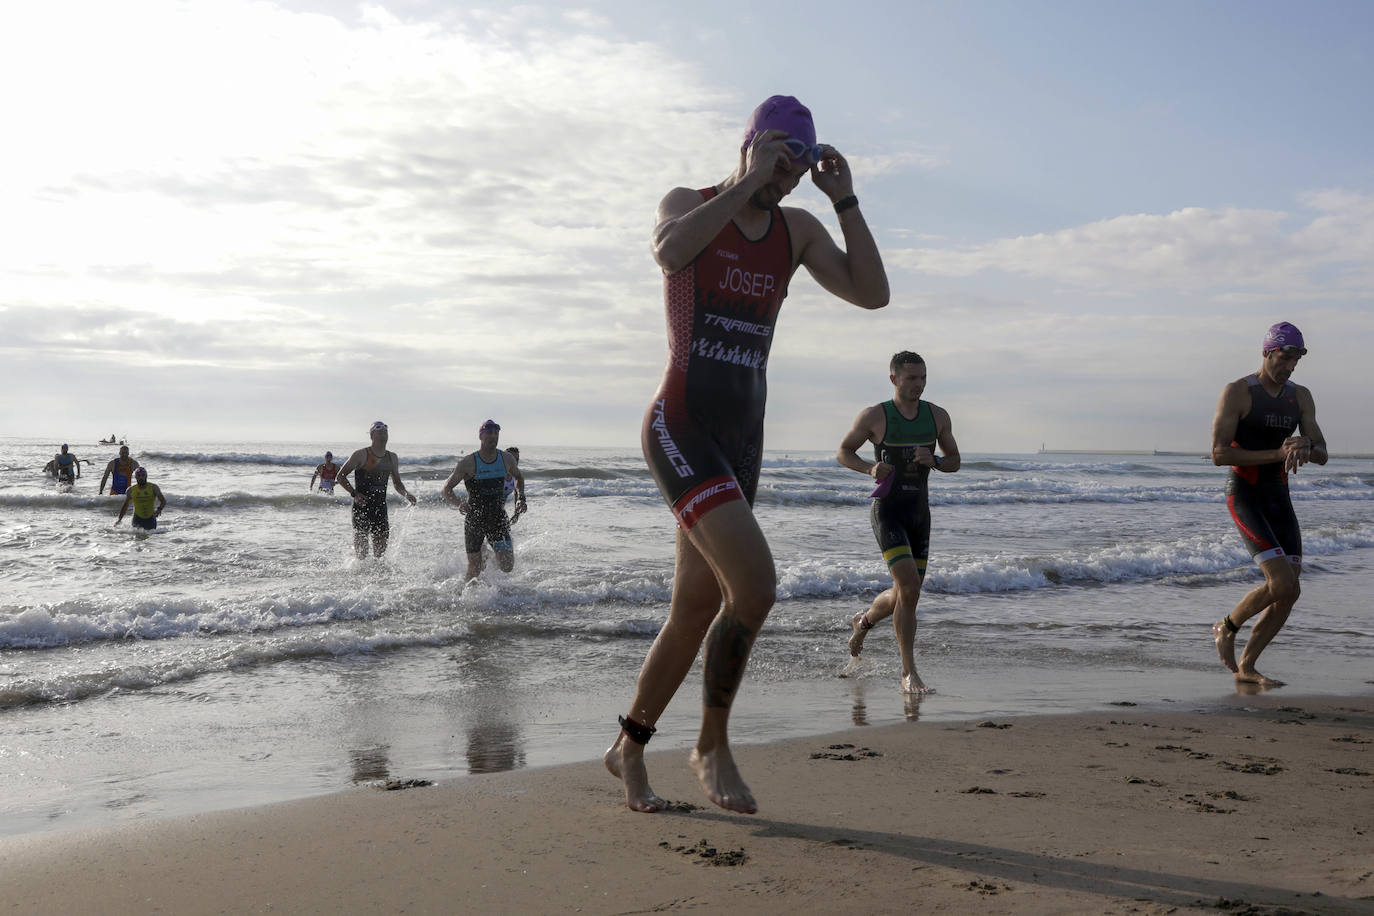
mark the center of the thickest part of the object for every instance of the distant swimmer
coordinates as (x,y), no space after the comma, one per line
(371,467)
(142,496)
(326,472)
(904,432)
(484,474)
(1265,428)
(119,472)
(66,466)
(728,253)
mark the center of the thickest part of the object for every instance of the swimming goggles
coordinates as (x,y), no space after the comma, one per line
(798,149)
(1291,352)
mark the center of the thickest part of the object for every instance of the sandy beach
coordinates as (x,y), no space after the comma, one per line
(1260,805)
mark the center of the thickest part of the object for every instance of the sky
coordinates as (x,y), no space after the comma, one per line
(228,220)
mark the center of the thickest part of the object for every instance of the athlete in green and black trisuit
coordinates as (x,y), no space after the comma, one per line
(904,432)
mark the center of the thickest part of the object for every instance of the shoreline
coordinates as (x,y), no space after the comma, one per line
(183,763)
(1263,801)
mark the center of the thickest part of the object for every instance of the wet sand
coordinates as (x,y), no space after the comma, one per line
(1260,805)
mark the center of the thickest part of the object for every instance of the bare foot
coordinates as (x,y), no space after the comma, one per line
(1254,677)
(1225,639)
(625,760)
(912,684)
(856,641)
(721,782)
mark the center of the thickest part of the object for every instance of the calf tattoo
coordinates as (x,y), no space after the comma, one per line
(727,652)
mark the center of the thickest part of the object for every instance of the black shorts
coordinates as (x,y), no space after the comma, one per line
(371,516)
(1264,516)
(487,526)
(699,465)
(902,528)
(147,524)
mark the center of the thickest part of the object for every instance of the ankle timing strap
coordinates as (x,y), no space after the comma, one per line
(639,734)
(864,624)
(1229,625)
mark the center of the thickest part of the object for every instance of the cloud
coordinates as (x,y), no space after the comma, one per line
(1240,252)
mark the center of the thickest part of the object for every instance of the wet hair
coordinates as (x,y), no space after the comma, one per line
(514,451)
(901,359)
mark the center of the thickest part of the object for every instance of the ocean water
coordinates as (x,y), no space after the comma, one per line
(241,654)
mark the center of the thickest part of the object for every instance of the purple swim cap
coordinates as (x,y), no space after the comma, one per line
(781,112)
(1282,335)
(490,424)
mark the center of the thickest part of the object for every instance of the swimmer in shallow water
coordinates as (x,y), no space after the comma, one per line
(326,472)
(147,501)
(119,472)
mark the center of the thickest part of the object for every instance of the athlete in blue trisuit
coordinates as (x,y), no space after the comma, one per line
(728,253)
(484,473)
(119,472)
(66,466)
(904,432)
(1265,428)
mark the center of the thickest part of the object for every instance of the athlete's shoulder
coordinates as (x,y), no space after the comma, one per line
(680,200)
(874,411)
(1240,386)
(800,220)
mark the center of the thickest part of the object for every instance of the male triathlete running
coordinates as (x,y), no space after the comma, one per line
(728,253)
(147,500)
(904,432)
(119,472)
(1265,428)
(66,466)
(371,467)
(484,473)
(326,472)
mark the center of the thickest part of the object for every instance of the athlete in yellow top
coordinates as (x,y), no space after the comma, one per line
(143,495)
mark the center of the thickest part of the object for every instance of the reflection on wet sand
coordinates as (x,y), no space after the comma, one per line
(911,704)
(860,710)
(370,764)
(494,746)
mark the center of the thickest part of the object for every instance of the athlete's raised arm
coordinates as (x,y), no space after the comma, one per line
(854,273)
(686,223)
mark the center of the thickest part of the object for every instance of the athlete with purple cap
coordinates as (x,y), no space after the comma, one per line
(728,253)
(371,467)
(1265,428)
